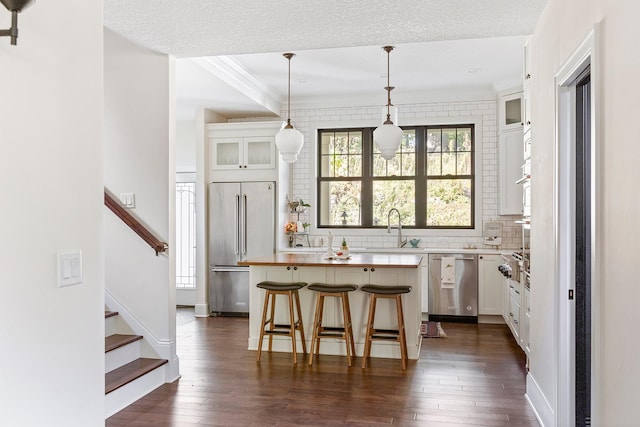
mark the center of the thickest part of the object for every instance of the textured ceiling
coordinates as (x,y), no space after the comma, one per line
(186,28)
(337,45)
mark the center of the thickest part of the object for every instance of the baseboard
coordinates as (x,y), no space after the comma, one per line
(539,403)
(201,310)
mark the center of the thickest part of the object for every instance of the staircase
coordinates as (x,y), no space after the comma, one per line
(128,376)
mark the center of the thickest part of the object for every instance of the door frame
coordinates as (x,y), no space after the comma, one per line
(586,55)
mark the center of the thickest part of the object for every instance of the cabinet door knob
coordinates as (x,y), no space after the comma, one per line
(295,268)
(365,269)
(480,256)
(245,166)
(288,268)
(528,122)
(373,269)
(240,166)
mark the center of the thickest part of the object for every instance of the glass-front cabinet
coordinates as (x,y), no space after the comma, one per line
(510,111)
(243,153)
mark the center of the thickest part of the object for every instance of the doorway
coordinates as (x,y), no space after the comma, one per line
(576,197)
(583,250)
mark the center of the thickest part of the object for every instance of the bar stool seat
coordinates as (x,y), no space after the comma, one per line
(345,331)
(289,289)
(391,292)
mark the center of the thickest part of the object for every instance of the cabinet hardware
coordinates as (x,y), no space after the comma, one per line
(288,268)
(365,269)
(295,268)
(373,269)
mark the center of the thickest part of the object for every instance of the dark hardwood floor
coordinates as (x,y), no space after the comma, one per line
(473,377)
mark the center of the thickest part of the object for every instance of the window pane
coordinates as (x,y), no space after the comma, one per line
(464,139)
(338,197)
(341,165)
(341,143)
(464,163)
(434,140)
(448,140)
(355,165)
(449,202)
(394,194)
(379,165)
(355,142)
(434,162)
(448,163)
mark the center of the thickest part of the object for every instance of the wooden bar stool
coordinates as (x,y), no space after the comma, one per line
(345,331)
(390,292)
(291,291)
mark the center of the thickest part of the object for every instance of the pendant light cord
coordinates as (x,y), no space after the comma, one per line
(388,49)
(289,126)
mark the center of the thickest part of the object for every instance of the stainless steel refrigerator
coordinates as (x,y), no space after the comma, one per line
(241,226)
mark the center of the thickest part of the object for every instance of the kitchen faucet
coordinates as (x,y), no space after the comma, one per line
(401,242)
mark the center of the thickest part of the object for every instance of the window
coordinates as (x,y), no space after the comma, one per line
(185,235)
(430,180)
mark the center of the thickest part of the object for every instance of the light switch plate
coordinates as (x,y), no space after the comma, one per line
(128,200)
(69,268)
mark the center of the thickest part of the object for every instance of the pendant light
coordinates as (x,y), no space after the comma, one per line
(289,140)
(388,136)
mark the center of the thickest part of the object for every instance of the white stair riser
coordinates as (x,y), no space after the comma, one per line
(121,356)
(119,399)
(110,325)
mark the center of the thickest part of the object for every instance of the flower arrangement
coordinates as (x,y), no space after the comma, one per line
(290,228)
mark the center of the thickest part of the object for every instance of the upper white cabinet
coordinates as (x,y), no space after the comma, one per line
(243,153)
(510,109)
(510,152)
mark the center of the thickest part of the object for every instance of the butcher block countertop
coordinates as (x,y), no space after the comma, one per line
(320,260)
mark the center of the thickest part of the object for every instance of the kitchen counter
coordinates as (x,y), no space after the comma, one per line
(361,269)
(355,260)
(405,250)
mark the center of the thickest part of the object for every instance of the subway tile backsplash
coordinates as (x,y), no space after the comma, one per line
(307,120)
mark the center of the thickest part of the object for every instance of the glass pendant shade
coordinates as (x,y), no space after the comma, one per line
(289,142)
(387,138)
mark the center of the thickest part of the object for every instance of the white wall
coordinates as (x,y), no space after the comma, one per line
(563,26)
(52,358)
(139,138)
(186,146)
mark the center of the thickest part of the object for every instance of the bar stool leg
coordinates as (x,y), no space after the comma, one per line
(351,339)
(300,324)
(402,339)
(292,330)
(345,319)
(367,342)
(316,326)
(272,318)
(262,324)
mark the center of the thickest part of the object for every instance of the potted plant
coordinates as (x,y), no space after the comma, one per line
(345,247)
(305,226)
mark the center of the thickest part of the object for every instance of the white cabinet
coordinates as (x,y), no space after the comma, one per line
(489,285)
(510,111)
(526,322)
(515,299)
(242,153)
(510,153)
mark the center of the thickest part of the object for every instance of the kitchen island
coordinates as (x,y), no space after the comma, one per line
(359,269)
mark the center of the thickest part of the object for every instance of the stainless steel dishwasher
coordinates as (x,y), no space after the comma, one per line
(453,287)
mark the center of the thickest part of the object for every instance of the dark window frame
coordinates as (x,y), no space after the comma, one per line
(420,178)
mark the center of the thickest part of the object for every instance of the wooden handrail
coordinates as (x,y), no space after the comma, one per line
(126,217)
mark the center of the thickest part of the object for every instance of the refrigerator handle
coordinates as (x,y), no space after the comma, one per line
(237,230)
(244,224)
